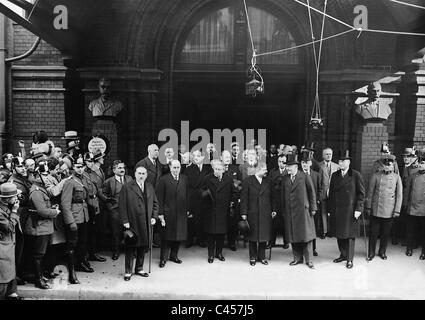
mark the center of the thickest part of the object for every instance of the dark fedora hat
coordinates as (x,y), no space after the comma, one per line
(244,228)
(292,159)
(344,155)
(130,237)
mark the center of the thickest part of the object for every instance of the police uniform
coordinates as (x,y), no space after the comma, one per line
(74,200)
(39,228)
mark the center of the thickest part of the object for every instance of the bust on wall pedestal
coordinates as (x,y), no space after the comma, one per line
(375,108)
(105,111)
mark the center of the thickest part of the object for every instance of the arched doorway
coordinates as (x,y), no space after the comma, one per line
(210,72)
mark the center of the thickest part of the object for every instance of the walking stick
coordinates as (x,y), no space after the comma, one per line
(150,247)
(365,240)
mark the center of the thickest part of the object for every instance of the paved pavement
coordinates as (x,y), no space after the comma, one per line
(399,277)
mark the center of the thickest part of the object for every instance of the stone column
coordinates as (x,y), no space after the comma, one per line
(370,137)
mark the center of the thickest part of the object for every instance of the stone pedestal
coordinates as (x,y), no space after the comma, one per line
(370,137)
(108,128)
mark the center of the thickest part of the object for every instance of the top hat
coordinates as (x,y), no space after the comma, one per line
(70,135)
(130,237)
(344,155)
(292,159)
(306,156)
(8,189)
(244,228)
(308,146)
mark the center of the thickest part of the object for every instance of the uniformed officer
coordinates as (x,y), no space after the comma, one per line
(383,203)
(94,173)
(39,225)
(75,213)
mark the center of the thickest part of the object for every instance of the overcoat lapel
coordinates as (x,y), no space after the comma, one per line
(136,189)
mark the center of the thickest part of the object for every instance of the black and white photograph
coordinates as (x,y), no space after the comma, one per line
(228,152)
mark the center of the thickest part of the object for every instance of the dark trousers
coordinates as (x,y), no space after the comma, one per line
(322,219)
(415,225)
(346,248)
(195,228)
(398,229)
(77,241)
(20,260)
(302,249)
(6,289)
(379,227)
(130,254)
(232,229)
(116,229)
(166,245)
(278,225)
(257,250)
(215,243)
(38,247)
(93,231)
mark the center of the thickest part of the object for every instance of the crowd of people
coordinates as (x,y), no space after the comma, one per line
(57,206)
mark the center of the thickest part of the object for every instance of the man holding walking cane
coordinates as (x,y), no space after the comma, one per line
(138,207)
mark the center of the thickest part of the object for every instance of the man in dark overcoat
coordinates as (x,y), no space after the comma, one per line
(138,207)
(346,200)
(217,197)
(173,199)
(276,175)
(257,206)
(196,174)
(316,178)
(298,202)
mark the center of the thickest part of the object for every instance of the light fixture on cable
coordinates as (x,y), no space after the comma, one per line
(255,85)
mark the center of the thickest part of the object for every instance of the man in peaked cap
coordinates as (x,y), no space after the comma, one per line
(345,205)
(9,223)
(414,206)
(379,165)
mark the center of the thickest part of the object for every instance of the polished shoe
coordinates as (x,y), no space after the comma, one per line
(83,268)
(127,276)
(96,257)
(383,256)
(349,264)
(264,261)
(162,264)
(294,263)
(233,248)
(315,253)
(370,258)
(220,257)
(115,256)
(422,257)
(210,259)
(340,259)
(176,260)
(408,253)
(252,262)
(142,273)
(310,265)
(285,246)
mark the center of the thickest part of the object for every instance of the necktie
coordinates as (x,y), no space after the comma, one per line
(176,178)
(122,180)
(154,162)
(292,178)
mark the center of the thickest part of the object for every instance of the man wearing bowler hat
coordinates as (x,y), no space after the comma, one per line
(298,202)
(138,208)
(345,205)
(9,221)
